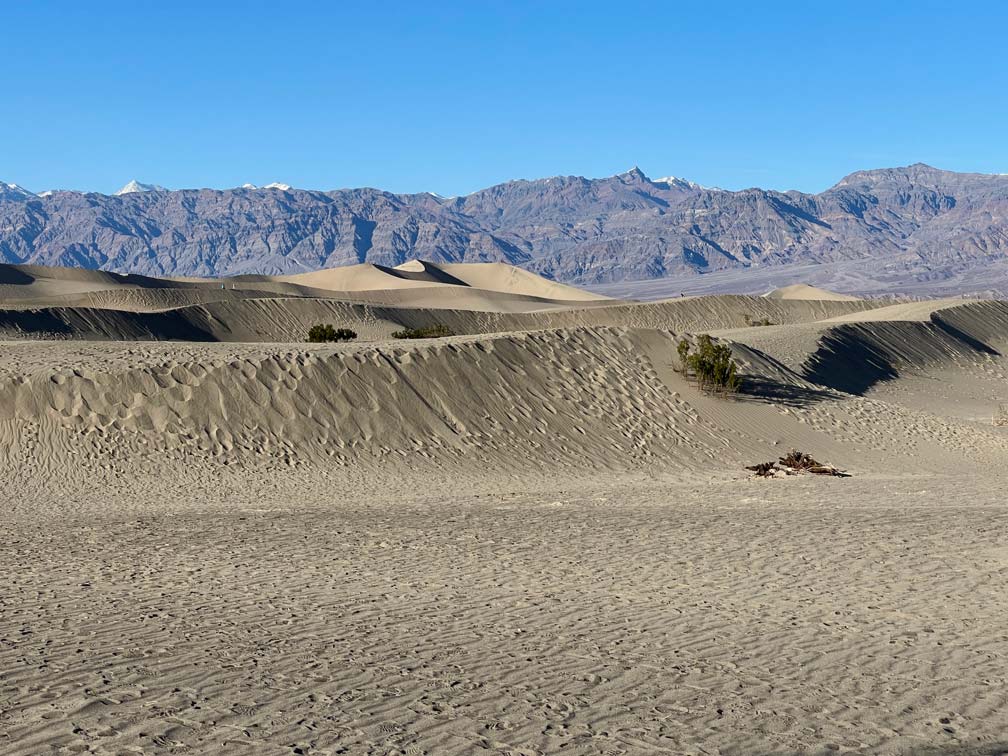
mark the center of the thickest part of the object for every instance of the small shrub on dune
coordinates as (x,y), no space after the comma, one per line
(712,365)
(322,333)
(751,322)
(430,332)
(683,348)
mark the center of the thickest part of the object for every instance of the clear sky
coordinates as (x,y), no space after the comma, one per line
(451,97)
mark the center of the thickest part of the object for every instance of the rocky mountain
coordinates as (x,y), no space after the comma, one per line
(573,229)
(13,192)
(136,186)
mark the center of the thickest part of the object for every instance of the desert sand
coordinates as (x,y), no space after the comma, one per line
(804,291)
(535,536)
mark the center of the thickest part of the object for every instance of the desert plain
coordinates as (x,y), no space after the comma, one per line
(533,536)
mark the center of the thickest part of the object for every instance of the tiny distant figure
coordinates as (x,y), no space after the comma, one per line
(682,294)
(222,286)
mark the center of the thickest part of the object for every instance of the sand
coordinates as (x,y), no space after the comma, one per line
(523,540)
(804,291)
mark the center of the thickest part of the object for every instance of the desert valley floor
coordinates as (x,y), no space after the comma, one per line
(534,536)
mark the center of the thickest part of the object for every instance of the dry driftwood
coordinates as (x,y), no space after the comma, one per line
(793,463)
(828,470)
(797,460)
(764,469)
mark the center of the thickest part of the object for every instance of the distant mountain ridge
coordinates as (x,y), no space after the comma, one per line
(135,186)
(572,229)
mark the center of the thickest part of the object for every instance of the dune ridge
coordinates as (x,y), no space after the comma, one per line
(272,318)
(599,397)
(480,286)
(805,291)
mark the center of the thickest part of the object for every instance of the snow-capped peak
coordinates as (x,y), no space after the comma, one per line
(135,186)
(275,184)
(681,182)
(13,190)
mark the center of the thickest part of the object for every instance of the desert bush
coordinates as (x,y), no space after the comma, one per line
(714,367)
(321,333)
(751,321)
(430,332)
(683,348)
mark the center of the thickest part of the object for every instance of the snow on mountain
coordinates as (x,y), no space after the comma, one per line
(13,191)
(135,186)
(277,185)
(684,183)
(627,227)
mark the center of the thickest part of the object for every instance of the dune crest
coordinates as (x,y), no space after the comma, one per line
(804,291)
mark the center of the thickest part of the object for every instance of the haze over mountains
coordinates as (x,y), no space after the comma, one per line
(913,226)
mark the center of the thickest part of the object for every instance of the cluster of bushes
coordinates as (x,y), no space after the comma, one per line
(321,333)
(430,332)
(711,364)
(750,321)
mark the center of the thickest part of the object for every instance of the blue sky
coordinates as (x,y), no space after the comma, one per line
(452,97)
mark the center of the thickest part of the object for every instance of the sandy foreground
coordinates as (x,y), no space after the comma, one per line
(803,615)
(536,541)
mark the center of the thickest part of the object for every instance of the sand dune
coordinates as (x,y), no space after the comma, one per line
(506,278)
(804,291)
(366,277)
(484,287)
(533,537)
(259,316)
(605,398)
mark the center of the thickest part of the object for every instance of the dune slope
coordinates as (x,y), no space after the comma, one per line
(269,318)
(805,291)
(520,542)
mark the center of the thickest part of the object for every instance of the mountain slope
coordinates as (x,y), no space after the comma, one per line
(135,186)
(586,231)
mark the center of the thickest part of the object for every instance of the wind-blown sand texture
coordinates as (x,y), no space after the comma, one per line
(804,291)
(533,537)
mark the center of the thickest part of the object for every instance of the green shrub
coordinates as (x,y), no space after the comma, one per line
(683,348)
(714,367)
(321,333)
(430,332)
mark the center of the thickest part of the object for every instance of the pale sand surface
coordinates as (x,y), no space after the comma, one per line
(804,291)
(862,615)
(487,287)
(537,540)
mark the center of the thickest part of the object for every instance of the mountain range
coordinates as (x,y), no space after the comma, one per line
(927,222)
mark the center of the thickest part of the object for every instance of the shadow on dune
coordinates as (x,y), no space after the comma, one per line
(759,389)
(959,335)
(12,276)
(847,362)
(855,357)
(114,325)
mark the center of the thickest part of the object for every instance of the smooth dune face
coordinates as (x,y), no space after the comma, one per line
(509,279)
(364,277)
(804,291)
(483,287)
(468,299)
(533,537)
